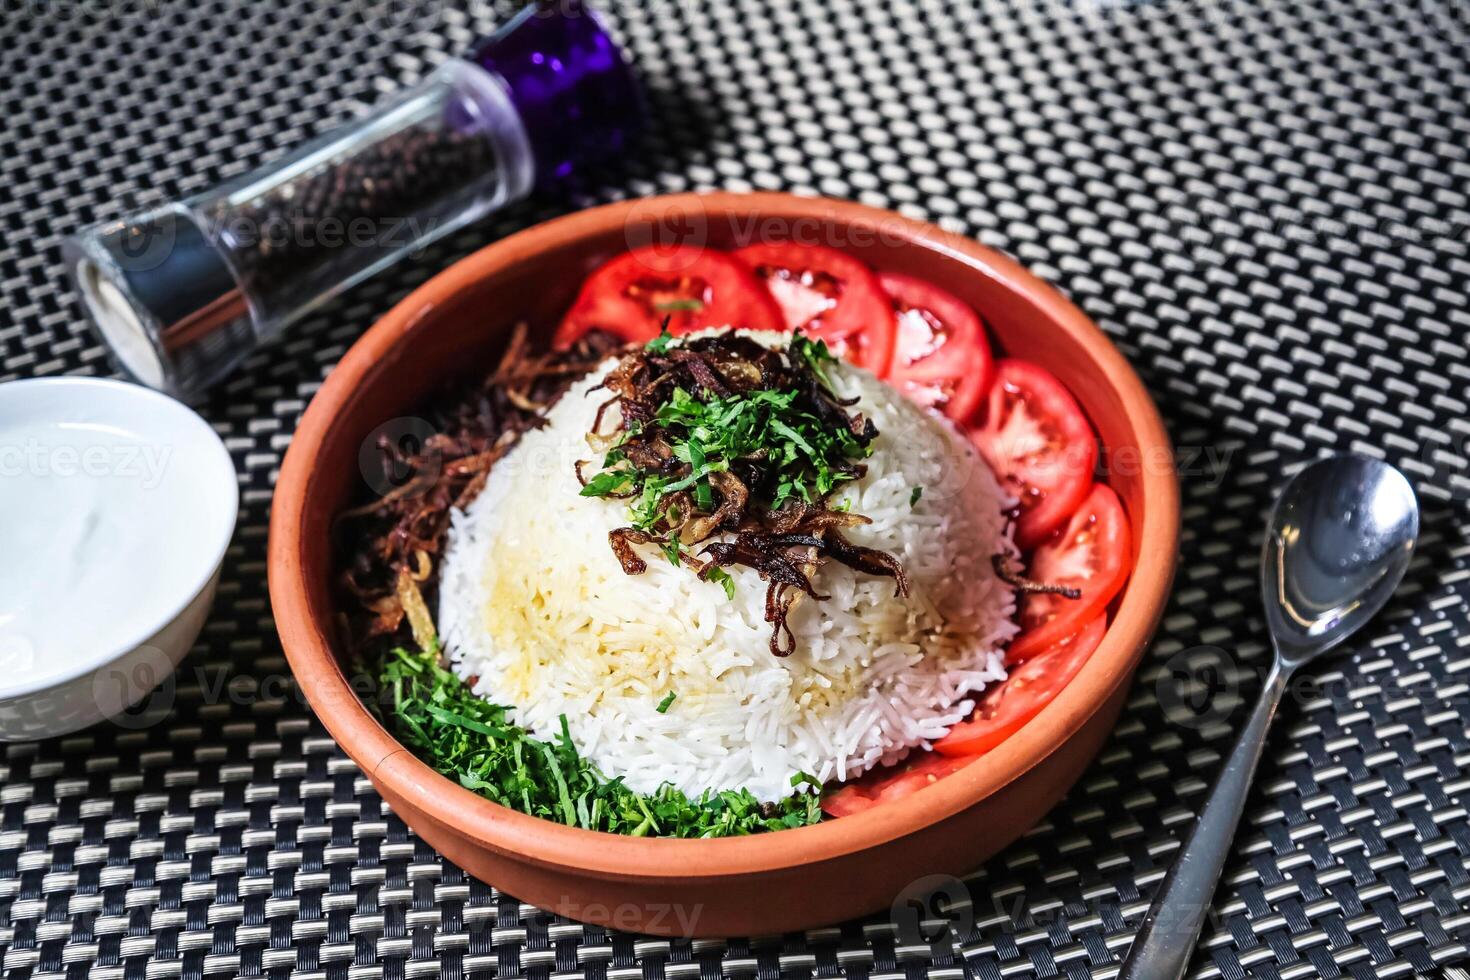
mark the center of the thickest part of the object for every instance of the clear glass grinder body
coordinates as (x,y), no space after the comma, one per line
(182,293)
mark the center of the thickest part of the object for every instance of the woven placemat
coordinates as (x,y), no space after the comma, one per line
(1265,206)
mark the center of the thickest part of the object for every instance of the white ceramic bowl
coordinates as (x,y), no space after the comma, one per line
(116,506)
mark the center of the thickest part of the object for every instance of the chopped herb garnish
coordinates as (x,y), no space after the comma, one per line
(437,717)
(663,706)
(814,354)
(660,343)
(714,573)
(677,305)
(607,482)
(722,438)
(805,457)
(914,496)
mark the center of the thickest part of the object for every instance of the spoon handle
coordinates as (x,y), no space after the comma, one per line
(1166,939)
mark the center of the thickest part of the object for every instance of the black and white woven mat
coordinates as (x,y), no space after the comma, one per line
(1265,206)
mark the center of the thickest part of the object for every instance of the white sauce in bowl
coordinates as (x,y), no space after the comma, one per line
(116,505)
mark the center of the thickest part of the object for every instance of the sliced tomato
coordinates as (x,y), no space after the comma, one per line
(831,296)
(1093,554)
(693,288)
(941,358)
(1036,439)
(890,783)
(1030,687)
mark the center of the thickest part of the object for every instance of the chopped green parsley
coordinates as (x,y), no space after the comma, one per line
(805,457)
(460,735)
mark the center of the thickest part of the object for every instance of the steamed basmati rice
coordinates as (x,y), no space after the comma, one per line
(537,611)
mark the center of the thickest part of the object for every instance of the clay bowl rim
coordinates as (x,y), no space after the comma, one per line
(546,843)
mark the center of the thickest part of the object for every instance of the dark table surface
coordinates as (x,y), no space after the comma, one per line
(1265,206)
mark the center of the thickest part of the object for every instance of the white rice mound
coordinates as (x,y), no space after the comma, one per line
(535,608)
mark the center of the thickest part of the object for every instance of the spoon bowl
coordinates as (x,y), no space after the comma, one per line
(1337,545)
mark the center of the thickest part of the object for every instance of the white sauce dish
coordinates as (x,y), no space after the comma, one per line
(117,504)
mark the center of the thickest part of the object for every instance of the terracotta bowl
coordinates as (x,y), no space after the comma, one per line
(794,879)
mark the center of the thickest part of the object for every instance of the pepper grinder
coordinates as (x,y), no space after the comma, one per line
(183,292)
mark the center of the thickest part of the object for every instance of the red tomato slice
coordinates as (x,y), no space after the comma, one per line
(1093,553)
(1035,437)
(694,288)
(890,783)
(830,296)
(1030,687)
(941,358)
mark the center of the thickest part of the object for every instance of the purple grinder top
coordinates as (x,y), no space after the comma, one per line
(576,94)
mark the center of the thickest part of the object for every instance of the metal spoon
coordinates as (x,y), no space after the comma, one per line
(1337,545)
